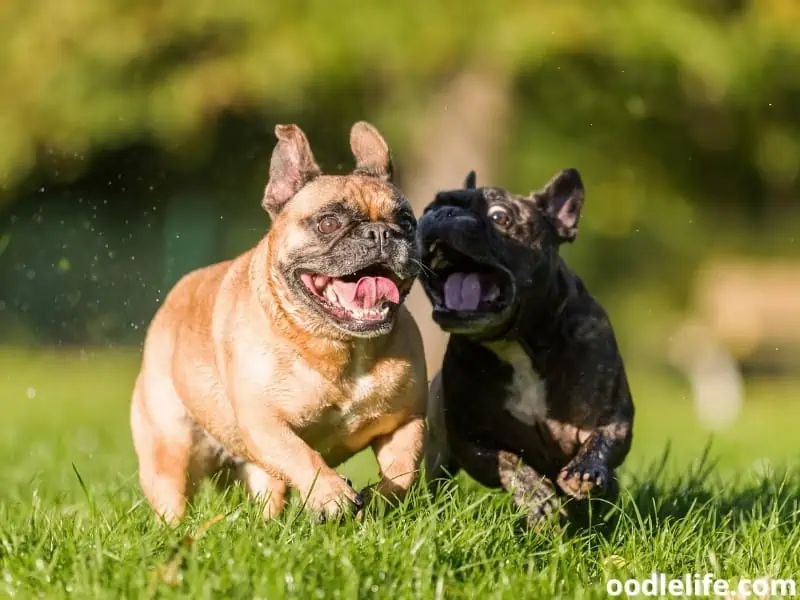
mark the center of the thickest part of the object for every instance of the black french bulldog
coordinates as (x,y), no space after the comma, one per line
(532,395)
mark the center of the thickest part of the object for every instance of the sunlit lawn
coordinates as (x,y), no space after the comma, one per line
(65,421)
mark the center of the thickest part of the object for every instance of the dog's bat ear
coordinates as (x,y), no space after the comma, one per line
(470,180)
(371,151)
(562,200)
(292,166)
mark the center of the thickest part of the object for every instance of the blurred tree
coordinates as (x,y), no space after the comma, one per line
(682,114)
(711,77)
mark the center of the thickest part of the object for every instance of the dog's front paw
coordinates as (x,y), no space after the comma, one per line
(585,479)
(543,507)
(333,497)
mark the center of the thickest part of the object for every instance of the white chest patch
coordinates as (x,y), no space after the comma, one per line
(362,404)
(527,392)
(363,393)
(363,380)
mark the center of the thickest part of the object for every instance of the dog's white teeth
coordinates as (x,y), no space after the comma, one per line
(370,313)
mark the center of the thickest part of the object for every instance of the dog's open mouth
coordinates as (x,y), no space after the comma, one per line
(370,294)
(456,283)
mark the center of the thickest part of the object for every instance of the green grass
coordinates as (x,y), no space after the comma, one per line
(73,522)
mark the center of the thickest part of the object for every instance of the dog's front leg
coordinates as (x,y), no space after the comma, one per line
(591,472)
(277,449)
(399,455)
(500,468)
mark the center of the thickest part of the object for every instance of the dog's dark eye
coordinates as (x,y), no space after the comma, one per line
(500,216)
(329,224)
(407,222)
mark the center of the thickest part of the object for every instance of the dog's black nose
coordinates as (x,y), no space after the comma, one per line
(454,218)
(450,212)
(457,214)
(378,233)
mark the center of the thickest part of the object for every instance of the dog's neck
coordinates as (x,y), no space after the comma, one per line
(336,358)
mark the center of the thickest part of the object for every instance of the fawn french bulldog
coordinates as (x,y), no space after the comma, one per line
(276,366)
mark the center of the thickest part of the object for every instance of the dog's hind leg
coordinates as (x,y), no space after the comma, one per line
(263,487)
(532,492)
(164,443)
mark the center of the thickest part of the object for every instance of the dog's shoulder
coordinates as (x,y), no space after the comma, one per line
(581,317)
(194,290)
(189,304)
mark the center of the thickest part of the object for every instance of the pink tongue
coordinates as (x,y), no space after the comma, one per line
(366,293)
(462,291)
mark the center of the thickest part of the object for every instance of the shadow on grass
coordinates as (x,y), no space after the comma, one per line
(654,498)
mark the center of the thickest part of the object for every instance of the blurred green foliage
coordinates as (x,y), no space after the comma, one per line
(682,116)
(711,75)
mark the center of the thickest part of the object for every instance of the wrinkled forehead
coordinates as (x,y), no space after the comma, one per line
(495,195)
(369,196)
(473,199)
(463,198)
